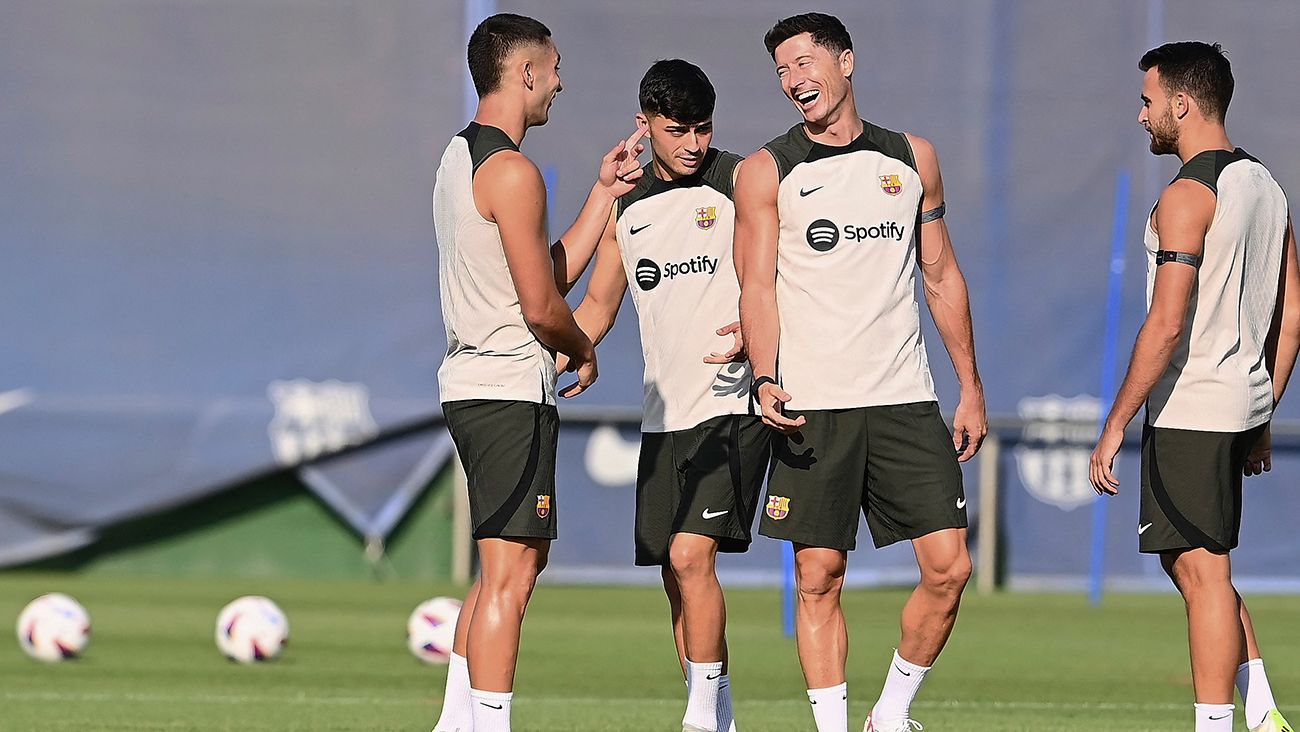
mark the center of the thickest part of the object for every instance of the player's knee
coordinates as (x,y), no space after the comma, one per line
(949,577)
(820,580)
(688,561)
(1193,574)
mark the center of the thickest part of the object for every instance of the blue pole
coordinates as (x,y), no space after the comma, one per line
(1109,369)
(787,589)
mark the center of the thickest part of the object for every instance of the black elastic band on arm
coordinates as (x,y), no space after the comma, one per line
(935,213)
(1164,256)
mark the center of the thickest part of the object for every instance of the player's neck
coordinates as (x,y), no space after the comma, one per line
(842,127)
(1193,142)
(496,111)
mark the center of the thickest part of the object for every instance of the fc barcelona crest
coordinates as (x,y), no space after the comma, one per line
(778,507)
(706,217)
(891,184)
(543,506)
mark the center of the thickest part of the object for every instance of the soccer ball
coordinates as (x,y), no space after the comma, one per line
(53,627)
(251,629)
(432,628)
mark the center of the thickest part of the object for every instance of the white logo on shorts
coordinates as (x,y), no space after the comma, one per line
(1143,528)
(1061,431)
(961,503)
(712,514)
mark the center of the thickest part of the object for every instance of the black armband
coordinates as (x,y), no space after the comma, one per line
(1165,256)
(754,387)
(935,213)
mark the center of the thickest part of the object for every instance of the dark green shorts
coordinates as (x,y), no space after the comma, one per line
(508,450)
(895,463)
(703,480)
(1191,488)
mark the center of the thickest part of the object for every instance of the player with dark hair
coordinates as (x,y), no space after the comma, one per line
(832,220)
(502,290)
(703,449)
(1210,364)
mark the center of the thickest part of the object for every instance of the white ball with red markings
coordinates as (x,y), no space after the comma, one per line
(432,628)
(53,627)
(252,629)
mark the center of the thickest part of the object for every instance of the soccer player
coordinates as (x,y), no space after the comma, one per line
(703,449)
(1210,363)
(505,317)
(832,219)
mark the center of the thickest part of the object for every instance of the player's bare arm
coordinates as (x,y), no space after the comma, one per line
(755,254)
(509,190)
(1182,218)
(736,353)
(599,307)
(949,302)
(1280,348)
(618,174)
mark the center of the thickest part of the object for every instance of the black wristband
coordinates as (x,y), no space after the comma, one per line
(758,382)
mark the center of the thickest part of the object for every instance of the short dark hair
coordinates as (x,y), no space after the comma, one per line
(827,31)
(495,39)
(1198,69)
(678,90)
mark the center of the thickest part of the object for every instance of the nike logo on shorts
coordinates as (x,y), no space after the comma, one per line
(961,503)
(1143,528)
(713,514)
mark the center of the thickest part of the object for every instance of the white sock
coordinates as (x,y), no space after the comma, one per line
(456,714)
(1214,718)
(1256,694)
(901,684)
(702,695)
(491,710)
(726,718)
(830,708)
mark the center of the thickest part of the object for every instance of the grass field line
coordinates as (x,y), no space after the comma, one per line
(1009,705)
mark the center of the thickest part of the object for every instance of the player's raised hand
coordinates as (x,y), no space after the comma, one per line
(620,169)
(1260,459)
(969,426)
(1103,462)
(737,351)
(587,374)
(772,400)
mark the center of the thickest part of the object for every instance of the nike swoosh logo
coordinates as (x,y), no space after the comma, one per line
(493,706)
(1143,528)
(710,678)
(810,191)
(1215,719)
(901,671)
(961,503)
(638,229)
(713,514)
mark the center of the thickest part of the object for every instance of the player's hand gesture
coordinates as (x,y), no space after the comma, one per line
(1103,462)
(772,400)
(970,425)
(1260,459)
(737,352)
(619,169)
(585,365)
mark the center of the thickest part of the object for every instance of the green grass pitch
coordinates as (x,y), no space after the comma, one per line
(601,659)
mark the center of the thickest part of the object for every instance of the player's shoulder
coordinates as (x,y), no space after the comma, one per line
(789,149)
(1207,166)
(1185,202)
(719,171)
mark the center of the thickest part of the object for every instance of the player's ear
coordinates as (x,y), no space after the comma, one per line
(642,121)
(1182,104)
(526,72)
(846,62)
